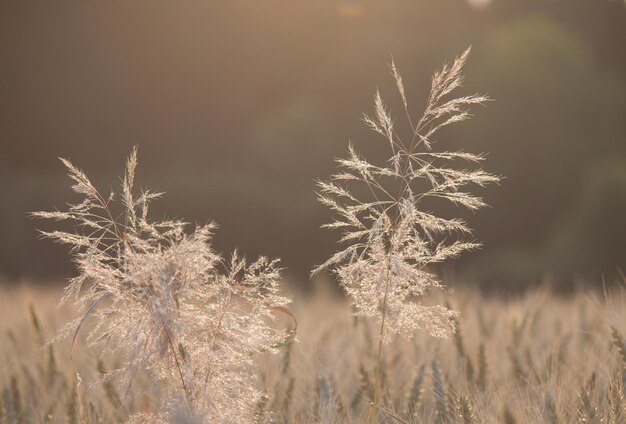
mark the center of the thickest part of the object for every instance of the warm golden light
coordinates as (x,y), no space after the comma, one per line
(479,4)
(245,113)
(350,9)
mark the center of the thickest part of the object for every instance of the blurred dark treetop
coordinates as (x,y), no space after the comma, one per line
(238,106)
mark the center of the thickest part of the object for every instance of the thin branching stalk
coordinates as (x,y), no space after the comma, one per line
(391,239)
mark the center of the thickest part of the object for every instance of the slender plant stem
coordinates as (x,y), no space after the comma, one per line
(180,372)
(379,355)
(374,405)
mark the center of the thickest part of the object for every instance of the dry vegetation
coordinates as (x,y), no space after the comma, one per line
(539,358)
(163,300)
(162,328)
(391,237)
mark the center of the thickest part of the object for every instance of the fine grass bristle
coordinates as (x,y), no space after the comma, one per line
(439,393)
(8,409)
(367,386)
(619,343)
(336,396)
(109,388)
(587,411)
(288,397)
(93,417)
(416,393)
(287,356)
(324,397)
(465,412)
(72,407)
(52,369)
(485,328)
(34,319)
(615,399)
(261,408)
(16,399)
(530,365)
(550,410)
(469,369)
(483,371)
(517,369)
(458,334)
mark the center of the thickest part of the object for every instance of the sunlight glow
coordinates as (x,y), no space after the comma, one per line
(479,4)
(350,9)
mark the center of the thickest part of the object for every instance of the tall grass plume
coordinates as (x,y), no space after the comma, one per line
(167,303)
(391,239)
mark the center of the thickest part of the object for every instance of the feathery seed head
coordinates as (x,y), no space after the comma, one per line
(168,302)
(390,239)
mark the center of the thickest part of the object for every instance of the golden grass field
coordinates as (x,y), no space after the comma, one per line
(532,359)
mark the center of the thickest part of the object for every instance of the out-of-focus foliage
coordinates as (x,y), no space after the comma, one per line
(240,106)
(591,236)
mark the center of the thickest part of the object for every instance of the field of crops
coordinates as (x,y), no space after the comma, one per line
(534,359)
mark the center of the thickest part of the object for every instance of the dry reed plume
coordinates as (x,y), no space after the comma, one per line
(168,303)
(392,239)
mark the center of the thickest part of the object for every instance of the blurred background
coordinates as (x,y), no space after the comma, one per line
(238,106)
